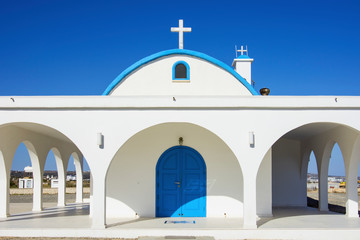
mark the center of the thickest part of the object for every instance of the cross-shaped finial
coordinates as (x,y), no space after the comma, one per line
(181,30)
(242,50)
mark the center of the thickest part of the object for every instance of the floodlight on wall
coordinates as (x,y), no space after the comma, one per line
(252,139)
(181,140)
(100,140)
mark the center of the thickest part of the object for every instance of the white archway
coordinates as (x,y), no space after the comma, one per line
(294,148)
(131,175)
(39,140)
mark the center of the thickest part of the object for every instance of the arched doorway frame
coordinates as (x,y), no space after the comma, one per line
(210,129)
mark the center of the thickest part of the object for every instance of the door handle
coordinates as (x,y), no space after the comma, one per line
(177,182)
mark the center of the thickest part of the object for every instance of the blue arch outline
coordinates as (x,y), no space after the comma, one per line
(187,70)
(155,56)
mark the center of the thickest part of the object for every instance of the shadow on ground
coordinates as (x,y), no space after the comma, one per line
(333,208)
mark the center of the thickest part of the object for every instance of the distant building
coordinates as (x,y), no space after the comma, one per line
(54,183)
(312,186)
(25,183)
(70,178)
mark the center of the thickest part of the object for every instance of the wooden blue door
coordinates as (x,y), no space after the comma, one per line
(181,183)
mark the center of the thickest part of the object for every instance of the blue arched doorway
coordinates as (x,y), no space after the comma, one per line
(181,183)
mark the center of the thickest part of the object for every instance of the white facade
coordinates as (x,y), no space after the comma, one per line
(70,178)
(130,170)
(242,65)
(214,110)
(54,183)
(155,79)
(25,183)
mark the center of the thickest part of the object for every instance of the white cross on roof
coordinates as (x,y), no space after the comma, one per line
(181,30)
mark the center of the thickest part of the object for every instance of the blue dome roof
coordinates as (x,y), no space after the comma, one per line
(243,56)
(155,56)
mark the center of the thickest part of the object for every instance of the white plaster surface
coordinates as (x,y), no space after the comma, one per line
(155,78)
(286,180)
(132,171)
(71,125)
(243,67)
(264,187)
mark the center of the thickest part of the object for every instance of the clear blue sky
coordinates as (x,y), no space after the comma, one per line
(78,47)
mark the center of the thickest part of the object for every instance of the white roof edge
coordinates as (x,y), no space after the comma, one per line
(104,102)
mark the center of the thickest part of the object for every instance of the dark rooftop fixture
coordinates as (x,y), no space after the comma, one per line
(264,91)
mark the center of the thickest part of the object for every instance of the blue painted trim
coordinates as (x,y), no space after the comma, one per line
(155,56)
(244,56)
(187,70)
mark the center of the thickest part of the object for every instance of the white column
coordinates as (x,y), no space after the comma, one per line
(91,194)
(5,169)
(264,187)
(351,158)
(37,190)
(352,197)
(98,202)
(61,188)
(351,170)
(79,180)
(323,171)
(249,201)
(61,177)
(37,174)
(79,188)
(4,193)
(323,190)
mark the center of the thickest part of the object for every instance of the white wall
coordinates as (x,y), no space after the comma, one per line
(155,78)
(243,67)
(118,118)
(287,184)
(264,187)
(131,177)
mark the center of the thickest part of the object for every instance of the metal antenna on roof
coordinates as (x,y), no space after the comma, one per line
(241,50)
(235,51)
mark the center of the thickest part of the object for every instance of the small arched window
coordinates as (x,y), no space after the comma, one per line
(181,71)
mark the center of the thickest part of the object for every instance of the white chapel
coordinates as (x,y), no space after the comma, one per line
(180,134)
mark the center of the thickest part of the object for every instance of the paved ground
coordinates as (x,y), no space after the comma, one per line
(283,218)
(337,201)
(23,203)
(47,198)
(46,190)
(302,223)
(334,198)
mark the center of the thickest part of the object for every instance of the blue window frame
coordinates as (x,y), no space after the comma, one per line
(181,71)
